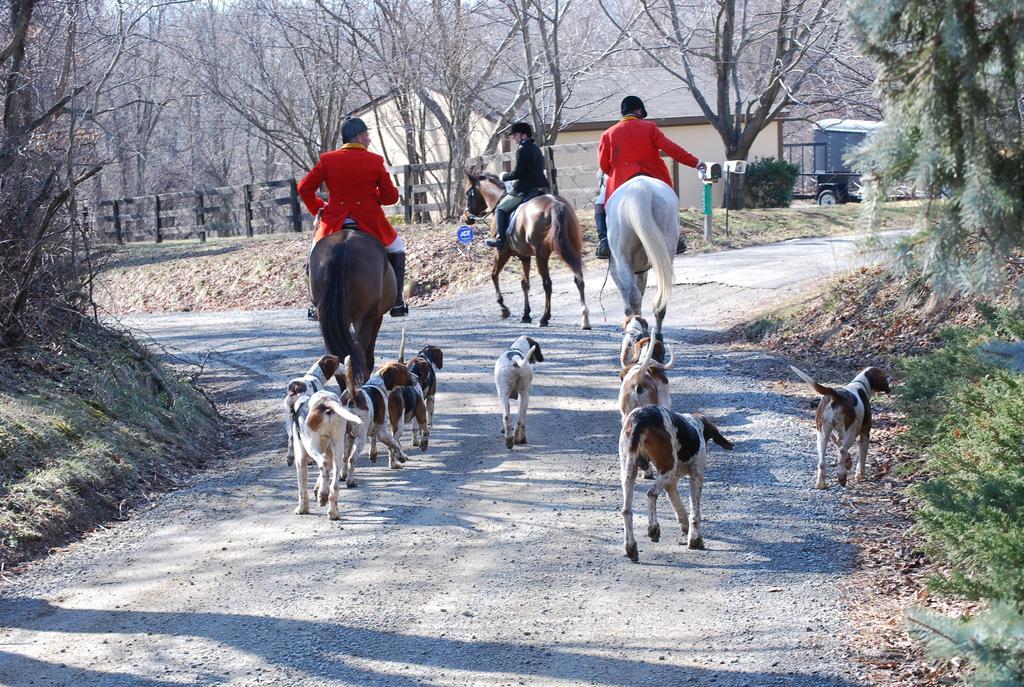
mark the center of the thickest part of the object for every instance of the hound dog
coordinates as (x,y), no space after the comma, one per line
(844,416)
(370,403)
(634,328)
(313,381)
(513,375)
(676,444)
(644,382)
(423,367)
(319,427)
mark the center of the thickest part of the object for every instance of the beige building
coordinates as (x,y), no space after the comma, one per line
(594,108)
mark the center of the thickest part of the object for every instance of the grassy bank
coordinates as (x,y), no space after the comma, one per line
(90,425)
(268,271)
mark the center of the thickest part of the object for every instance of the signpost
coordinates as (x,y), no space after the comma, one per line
(464,235)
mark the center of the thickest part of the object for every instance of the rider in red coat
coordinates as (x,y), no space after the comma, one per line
(357,186)
(633,147)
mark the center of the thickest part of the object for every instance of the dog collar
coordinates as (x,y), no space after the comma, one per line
(515,351)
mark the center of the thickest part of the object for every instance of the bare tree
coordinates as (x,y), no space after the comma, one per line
(743,62)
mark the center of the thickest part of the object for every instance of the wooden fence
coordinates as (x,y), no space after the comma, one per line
(274,206)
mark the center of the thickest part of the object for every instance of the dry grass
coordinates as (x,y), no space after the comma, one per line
(88,425)
(269,271)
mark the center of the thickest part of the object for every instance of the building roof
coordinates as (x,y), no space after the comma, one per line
(595,100)
(860,126)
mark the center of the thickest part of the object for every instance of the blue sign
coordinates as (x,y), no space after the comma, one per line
(464,234)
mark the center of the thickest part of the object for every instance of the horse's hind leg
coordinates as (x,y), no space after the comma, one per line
(545,279)
(367,336)
(626,281)
(499,265)
(526,289)
(584,310)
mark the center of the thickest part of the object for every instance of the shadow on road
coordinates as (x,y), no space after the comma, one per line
(328,649)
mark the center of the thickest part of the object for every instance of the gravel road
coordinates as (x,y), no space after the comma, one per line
(474,565)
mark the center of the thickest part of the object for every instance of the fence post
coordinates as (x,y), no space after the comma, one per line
(554,170)
(200,217)
(117,222)
(156,216)
(247,194)
(407,192)
(296,212)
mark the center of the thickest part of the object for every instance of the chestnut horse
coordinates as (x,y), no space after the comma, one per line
(353,285)
(544,225)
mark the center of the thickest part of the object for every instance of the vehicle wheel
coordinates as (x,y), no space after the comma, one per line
(828,197)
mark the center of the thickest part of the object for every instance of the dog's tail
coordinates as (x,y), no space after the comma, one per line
(529,355)
(820,388)
(343,412)
(711,433)
(671,359)
(401,348)
(645,360)
(350,378)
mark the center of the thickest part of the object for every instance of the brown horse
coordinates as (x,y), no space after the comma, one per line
(544,225)
(353,285)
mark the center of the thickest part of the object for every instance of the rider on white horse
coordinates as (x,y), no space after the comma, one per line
(633,147)
(528,176)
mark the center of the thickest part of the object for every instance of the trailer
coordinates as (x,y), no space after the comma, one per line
(824,174)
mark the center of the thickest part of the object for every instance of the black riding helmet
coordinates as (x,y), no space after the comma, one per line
(351,128)
(521,128)
(630,104)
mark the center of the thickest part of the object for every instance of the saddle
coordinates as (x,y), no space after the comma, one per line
(535,193)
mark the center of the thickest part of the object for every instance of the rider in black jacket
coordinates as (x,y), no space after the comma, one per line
(528,176)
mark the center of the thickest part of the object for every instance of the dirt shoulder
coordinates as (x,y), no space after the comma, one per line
(866,318)
(91,427)
(268,272)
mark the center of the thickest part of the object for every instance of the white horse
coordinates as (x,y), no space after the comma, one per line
(643,229)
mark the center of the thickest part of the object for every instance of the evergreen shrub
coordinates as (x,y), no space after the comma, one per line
(769,183)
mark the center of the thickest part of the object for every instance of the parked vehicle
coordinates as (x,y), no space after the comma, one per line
(824,174)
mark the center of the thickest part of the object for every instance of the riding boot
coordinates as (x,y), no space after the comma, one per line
(312,313)
(681,244)
(397,261)
(602,236)
(501,217)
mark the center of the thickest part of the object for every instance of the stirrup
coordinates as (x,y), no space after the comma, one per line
(495,243)
(603,253)
(400,310)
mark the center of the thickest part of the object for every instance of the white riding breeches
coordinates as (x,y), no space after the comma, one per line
(396,246)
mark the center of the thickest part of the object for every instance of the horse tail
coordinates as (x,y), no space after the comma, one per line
(638,209)
(335,324)
(564,236)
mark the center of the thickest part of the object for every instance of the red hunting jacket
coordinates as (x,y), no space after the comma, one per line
(631,148)
(357,186)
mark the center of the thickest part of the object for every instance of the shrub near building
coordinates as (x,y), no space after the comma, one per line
(770,182)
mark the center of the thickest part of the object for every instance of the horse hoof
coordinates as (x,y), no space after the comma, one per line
(526,319)
(505,313)
(632,553)
(543,323)
(509,442)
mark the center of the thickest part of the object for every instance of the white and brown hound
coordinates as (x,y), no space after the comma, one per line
(370,403)
(675,444)
(513,375)
(644,382)
(320,427)
(313,381)
(844,416)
